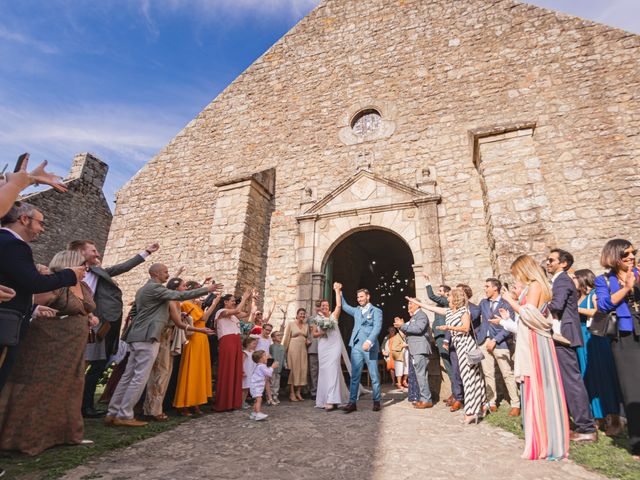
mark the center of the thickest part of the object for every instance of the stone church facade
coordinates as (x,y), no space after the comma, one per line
(472,131)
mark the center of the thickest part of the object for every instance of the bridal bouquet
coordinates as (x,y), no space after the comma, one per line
(326,324)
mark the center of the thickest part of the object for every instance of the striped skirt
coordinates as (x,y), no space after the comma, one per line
(544,409)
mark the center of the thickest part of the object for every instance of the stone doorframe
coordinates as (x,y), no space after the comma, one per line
(367,201)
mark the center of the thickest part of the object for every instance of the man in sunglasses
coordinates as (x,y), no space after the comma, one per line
(564,308)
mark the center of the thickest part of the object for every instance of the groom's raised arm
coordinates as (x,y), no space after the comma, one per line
(377,326)
(346,307)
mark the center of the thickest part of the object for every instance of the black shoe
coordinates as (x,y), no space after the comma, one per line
(349,407)
(376,406)
(93,413)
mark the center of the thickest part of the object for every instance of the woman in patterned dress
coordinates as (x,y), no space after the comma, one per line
(40,404)
(458,322)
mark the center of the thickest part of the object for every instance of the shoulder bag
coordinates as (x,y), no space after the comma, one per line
(604,324)
(475,355)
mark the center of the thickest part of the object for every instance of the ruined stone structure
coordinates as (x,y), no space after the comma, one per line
(82,212)
(469,131)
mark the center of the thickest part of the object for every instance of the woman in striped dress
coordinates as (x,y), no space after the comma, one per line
(458,322)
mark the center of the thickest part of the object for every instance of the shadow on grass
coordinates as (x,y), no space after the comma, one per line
(54,462)
(607,456)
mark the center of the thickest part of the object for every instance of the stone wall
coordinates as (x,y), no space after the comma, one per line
(80,213)
(442,74)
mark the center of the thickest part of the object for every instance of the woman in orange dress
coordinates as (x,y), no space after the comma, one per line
(194,377)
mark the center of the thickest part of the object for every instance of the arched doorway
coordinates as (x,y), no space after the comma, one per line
(378,260)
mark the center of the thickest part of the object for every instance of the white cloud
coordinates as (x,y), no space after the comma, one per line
(124,137)
(289,9)
(26,40)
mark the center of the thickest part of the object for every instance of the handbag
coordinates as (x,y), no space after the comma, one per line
(102,331)
(10,323)
(475,355)
(604,324)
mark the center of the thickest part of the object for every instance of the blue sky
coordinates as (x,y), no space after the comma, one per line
(120,78)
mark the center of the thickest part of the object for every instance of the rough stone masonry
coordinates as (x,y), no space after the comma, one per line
(474,130)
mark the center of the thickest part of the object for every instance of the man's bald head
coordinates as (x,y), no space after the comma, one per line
(159,272)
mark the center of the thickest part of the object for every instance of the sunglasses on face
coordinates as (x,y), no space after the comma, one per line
(551,260)
(628,254)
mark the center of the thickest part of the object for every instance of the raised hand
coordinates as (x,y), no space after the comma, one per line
(154,247)
(427,279)
(629,279)
(41,176)
(337,286)
(215,288)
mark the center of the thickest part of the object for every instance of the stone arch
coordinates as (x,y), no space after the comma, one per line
(324,252)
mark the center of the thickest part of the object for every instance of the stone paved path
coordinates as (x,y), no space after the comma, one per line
(301,442)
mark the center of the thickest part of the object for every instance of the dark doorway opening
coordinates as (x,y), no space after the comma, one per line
(379,261)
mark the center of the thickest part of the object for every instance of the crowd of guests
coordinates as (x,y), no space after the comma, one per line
(544,334)
(564,373)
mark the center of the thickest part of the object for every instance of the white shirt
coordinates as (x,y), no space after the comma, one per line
(556,275)
(91,279)
(264,344)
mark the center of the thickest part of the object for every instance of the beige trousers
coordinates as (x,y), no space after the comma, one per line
(502,357)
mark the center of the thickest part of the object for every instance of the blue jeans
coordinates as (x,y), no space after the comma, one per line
(358,357)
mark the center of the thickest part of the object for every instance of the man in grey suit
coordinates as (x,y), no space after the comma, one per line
(152,304)
(108,298)
(418,338)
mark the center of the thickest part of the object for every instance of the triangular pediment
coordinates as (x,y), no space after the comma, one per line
(368,190)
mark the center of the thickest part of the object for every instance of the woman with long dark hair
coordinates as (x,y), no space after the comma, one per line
(596,360)
(618,290)
(227,326)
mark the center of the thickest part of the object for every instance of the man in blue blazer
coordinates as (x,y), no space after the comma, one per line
(364,347)
(564,308)
(20,226)
(493,341)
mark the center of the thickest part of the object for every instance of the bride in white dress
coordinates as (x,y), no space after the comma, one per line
(332,390)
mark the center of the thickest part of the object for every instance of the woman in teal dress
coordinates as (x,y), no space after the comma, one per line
(596,360)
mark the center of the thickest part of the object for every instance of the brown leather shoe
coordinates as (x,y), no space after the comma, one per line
(450,401)
(108,420)
(422,405)
(456,406)
(493,408)
(376,406)
(349,407)
(584,437)
(125,422)
(514,412)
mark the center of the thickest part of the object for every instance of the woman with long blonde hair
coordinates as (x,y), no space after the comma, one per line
(544,412)
(458,322)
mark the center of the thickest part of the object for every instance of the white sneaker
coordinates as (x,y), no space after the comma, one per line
(260,416)
(252,416)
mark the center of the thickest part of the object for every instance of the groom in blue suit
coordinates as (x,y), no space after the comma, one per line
(364,347)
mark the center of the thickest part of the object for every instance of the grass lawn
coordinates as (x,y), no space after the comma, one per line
(607,456)
(54,462)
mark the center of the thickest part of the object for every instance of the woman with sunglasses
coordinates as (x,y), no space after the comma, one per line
(618,290)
